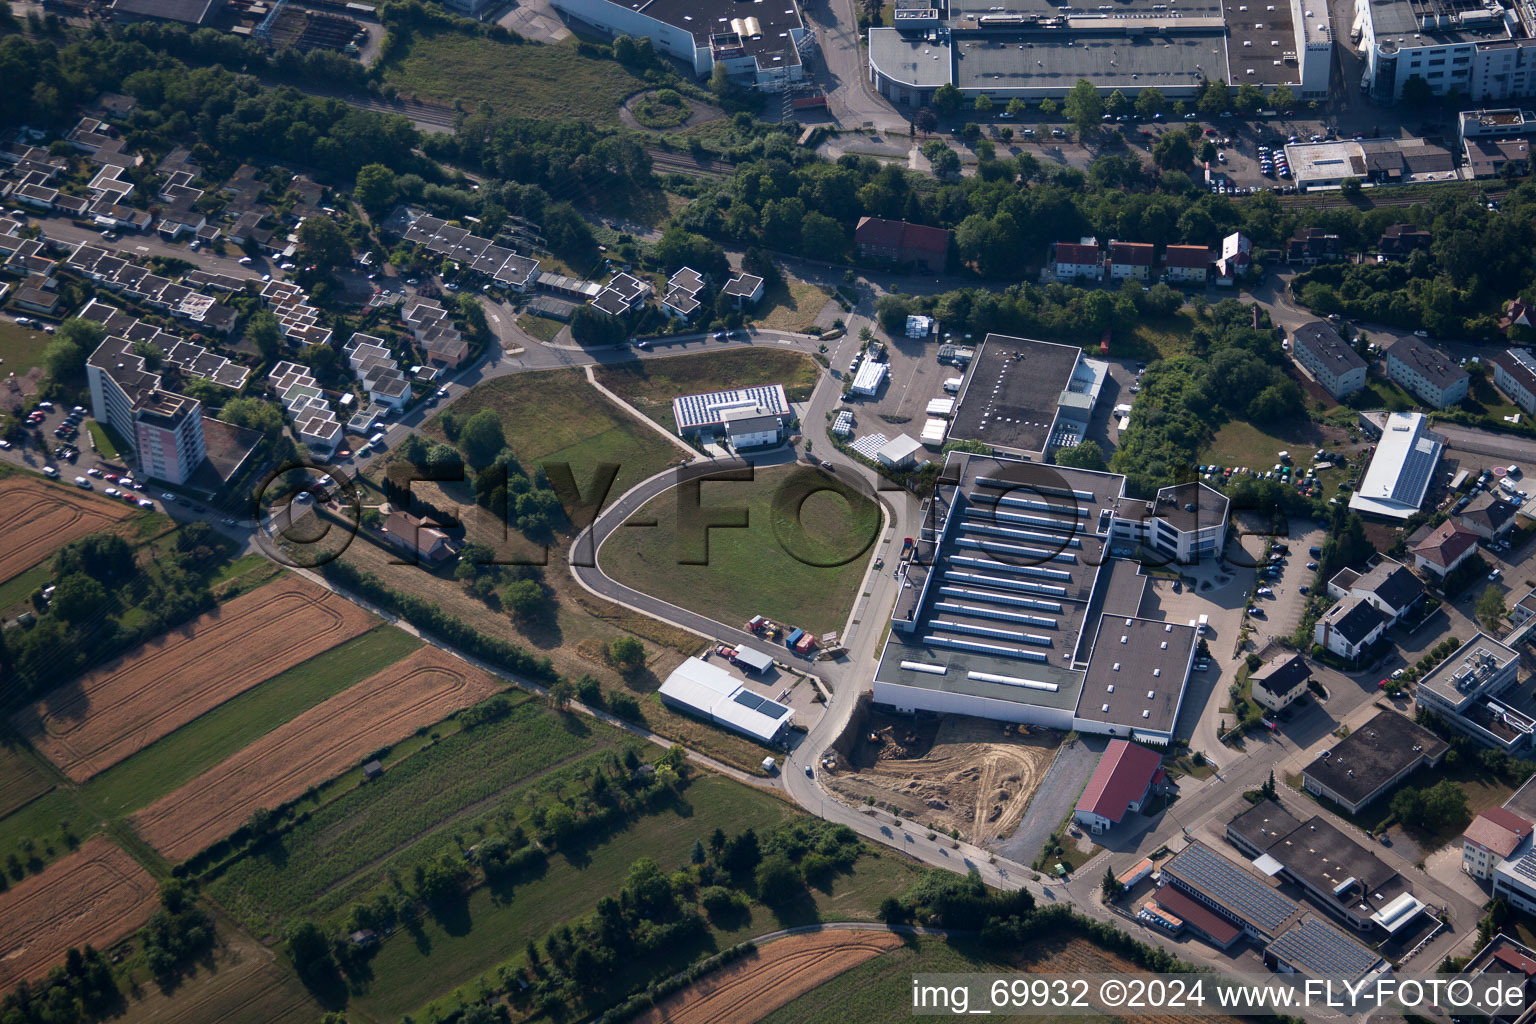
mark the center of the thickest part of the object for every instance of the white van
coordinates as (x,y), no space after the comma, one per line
(377,441)
(83,482)
(50,472)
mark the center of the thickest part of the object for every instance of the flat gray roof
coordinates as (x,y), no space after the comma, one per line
(1365,760)
(1397,23)
(1473,662)
(702,18)
(910,59)
(1012,392)
(1058,60)
(1136,673)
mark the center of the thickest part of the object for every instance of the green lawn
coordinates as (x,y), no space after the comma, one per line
(1244,444)
(790,307)
(541,327)
(21,348)
(20,780)
(34,835)
(18,589)
(205,741)
(1159,338)
(651,384)
(556,416)
(551,82)
(104,446)
(802,574)
(347,847)
(1486,400)
(409,972)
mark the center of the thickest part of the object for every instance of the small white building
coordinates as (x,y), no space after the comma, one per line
(869,377)
(712,693)
(900,452)
(1350,626)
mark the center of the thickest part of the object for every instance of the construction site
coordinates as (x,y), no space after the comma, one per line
(948,772)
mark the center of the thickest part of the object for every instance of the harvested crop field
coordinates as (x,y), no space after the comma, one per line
(96,895)
(245,984)
(20,782)
(320,744)
(758,984)
(89,725)
(957,772)
(36,519)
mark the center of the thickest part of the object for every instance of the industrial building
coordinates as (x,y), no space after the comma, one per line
(1326,165)
(1485,49)
(1126,777)
(746,417)
(1371,760)
(1012,609)
(1034,49)
(712,693)
(1328,358)
(1023,395)
(1399,474)
(1494,835)
(761,45)
(1466,690)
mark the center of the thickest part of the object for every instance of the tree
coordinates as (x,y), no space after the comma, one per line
(983,104)
(1268,789)
(1049,107)
(1249,98)
(324,244)
(1215,98)
(1490,609)
(947,99)
(1281,98)
(481,438)
(822,237)
(1173,151)
(1350,187)
(627,654)
(1117,105)
(1017,108)
(525,600)
(74,341)
(254,414)
(560,693)
(778,881)
(77,598)
(944,161)
(1109,885)
(1087,455)
(265,333)
(1150,101)
(925,120)
(310,952)
(1207,151)
(1084,106)
(376,188)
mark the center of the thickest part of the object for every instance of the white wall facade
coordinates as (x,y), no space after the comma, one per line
(917,698)
(669,39)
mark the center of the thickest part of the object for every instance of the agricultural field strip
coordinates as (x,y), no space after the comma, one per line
(34,528)
(90,725)
(748,990)
(96,895)
(319,744)
(20,783)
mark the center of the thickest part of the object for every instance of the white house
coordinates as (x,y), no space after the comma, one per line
(1280,682)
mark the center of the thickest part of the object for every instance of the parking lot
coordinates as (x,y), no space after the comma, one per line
(915,378)
(1282,606)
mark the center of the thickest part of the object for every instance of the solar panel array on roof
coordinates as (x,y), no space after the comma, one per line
(1316,947)
(773,709)
(1229,886)
(705,410)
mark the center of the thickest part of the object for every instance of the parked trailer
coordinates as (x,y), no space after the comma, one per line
(809,102)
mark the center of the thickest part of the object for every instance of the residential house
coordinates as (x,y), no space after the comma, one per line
(1446,547)
(745,290)
(36,295)
(1236,259)
(621,295)
(1387,586)
(1311,246)
(1514,371)
(1488,515)
(1186,264)
(1328,358)
(1403,239)
(1281,681)
(896,241)
(682,297)
(1350,627)
(1130,260)
(1425,372)
(422,538)
(1074,261)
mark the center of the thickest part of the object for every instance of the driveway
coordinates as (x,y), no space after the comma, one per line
(1054,799)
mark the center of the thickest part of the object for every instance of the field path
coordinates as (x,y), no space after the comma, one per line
(36,519)
(328,739)
(773,976)
(89,725)
(96,895)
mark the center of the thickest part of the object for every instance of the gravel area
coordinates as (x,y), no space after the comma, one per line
(1054,798)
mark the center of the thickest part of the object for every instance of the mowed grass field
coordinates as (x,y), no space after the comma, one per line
(793,306)
(799,560)
(410,973)
(20,347)
(651,384)
(556,416)
(205,741)
(20,780)
(344,850)
(552,82)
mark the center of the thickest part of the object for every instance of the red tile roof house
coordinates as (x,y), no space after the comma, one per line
(1130,259)
(896,241)
(422,537)
(1443,550)
(1186,263)
(1126,776)
(1075,260)
(1493,835)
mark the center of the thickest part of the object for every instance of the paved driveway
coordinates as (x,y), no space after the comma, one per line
(1054,799)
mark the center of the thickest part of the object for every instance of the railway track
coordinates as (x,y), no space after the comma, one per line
(682,163)
(1333,201)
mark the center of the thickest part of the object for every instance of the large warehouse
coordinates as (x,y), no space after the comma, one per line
(1023,395)
(1485,49)
(761,44)
(1034,49)
(1400,472)
(713,694)
(1012,609)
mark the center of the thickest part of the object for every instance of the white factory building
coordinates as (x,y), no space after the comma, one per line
(1481,48)
(1398,477)
(746,417)
(712,693)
